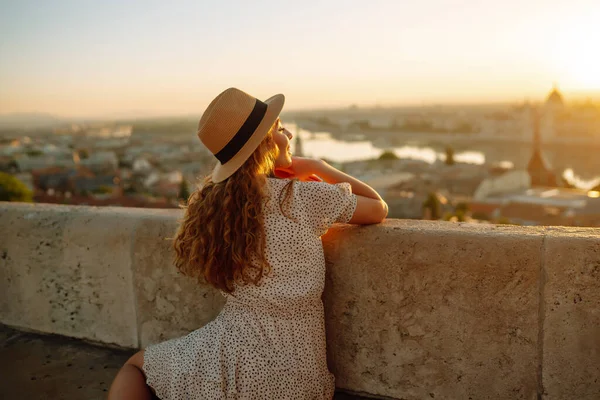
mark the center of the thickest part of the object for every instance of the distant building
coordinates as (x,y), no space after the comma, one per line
(117,201)
(562,123)
(141,165)
(552,111)
(298,149)
(544,206)
(107,184)
(555,100)
(27,164)
(75,181)
(53,179)
(538,167)
(509,181)
(505,124)
(101,161)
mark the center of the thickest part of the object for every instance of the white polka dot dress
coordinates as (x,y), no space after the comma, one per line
(268,342)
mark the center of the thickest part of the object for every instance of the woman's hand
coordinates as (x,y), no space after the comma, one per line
(303,168)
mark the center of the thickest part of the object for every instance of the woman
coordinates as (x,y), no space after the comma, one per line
(253,231)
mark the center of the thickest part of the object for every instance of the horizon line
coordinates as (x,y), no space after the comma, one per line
(145,114)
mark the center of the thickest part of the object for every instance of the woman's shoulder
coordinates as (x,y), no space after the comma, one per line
(312,191)
(276,184)
(319,188)
(299,187)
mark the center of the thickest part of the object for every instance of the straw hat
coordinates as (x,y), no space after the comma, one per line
(233,126)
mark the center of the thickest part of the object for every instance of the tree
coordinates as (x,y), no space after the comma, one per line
(34,153)
(432,203)
(462,207)
(184,192)
(481,216)
(449,156)
(12,189)
(13,167)
(388,155)
(130,190)
(102,190)
(460,215)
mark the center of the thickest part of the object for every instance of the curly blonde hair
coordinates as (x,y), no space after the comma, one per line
(223,226)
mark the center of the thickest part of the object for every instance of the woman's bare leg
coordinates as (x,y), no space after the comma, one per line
(130,382)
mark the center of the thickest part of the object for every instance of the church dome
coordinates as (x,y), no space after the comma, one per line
(555,98)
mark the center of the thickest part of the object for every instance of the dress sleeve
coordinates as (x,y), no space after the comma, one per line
(327,204)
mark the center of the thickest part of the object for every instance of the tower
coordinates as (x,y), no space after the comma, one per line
(554,107)
(538,167)
(555,99)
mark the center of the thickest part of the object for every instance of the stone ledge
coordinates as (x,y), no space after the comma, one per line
(414,309)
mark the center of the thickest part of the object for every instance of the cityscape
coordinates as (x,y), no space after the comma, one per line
(430,162)
(452,252)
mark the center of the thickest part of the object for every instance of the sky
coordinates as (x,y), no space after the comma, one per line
(84,58)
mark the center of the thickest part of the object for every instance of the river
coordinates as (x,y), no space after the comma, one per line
(579,165)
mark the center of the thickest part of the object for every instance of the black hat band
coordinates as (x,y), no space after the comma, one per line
(244,133)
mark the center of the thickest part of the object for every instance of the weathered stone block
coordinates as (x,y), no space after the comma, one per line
(66,270)
(168,304)
(571,330)
(420,310)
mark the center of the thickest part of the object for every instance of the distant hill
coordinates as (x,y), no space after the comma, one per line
(27,121)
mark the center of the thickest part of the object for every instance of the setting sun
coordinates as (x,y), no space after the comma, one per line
(575,53)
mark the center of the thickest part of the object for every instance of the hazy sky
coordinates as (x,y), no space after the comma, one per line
(99,58)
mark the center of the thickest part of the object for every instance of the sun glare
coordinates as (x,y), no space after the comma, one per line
(576,55)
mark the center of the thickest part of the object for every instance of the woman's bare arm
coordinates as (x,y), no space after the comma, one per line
(332,175)
(370,207)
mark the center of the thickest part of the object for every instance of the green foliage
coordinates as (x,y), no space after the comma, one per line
(184,192)
(83,154)
(33,153)
(130,190)
(12,165)
(481,216)
(449,156)
(388,155)
(459,215)
(124,164)
(12,189)
(102,190)
(462,206)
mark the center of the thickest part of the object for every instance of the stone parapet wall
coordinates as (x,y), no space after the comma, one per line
(414,309)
